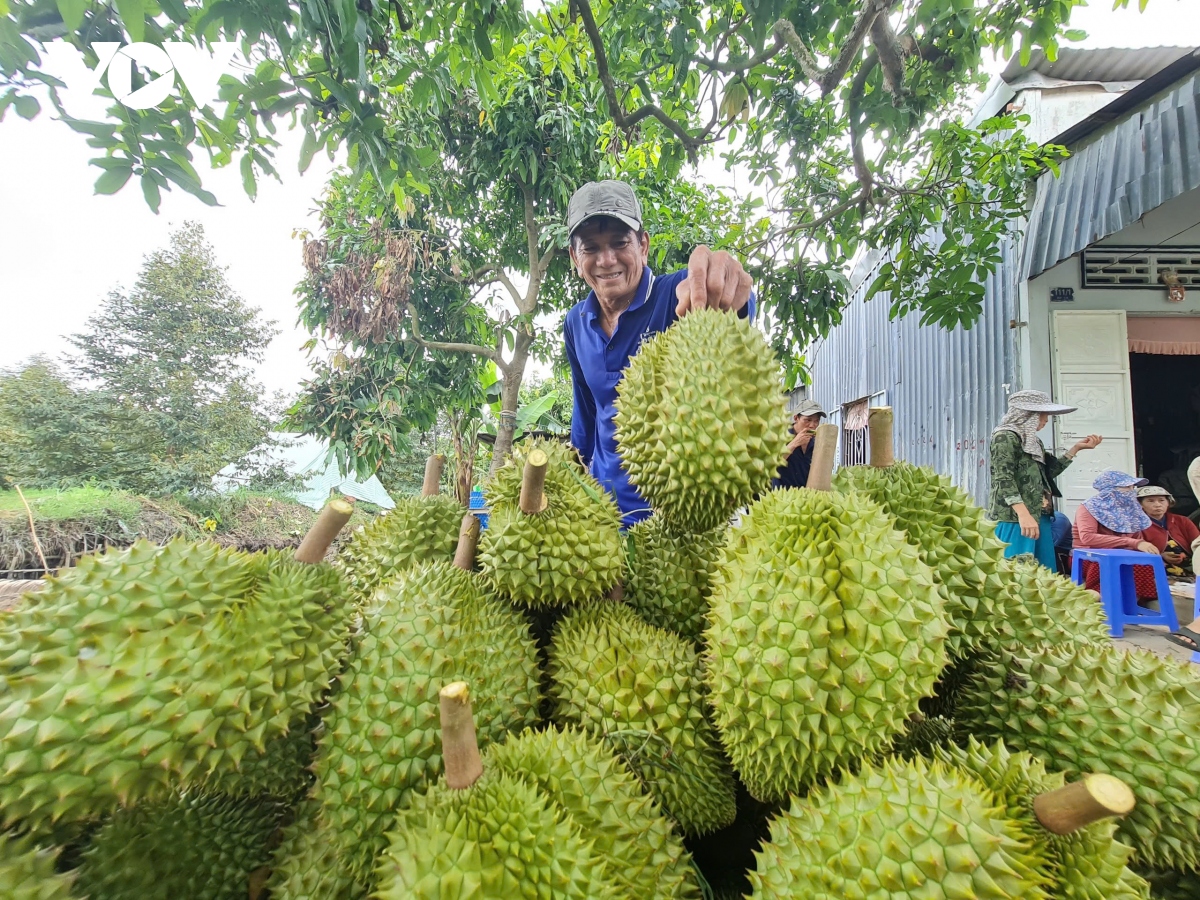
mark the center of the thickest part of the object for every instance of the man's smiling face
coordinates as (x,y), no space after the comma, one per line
(610,257)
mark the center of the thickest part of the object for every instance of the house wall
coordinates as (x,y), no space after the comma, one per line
(948,387)
(1052,111)
(1176,223)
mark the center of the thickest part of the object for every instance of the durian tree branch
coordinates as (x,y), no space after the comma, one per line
(492,353)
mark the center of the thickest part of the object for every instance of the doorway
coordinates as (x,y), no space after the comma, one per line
(1166,421)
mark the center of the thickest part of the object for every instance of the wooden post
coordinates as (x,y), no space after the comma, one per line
(433,475)
(820,474)
(879,421)
(1082,802)
(336,514)
(533,482)
(460,749)
(468,542)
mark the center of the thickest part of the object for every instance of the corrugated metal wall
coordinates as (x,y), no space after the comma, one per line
(947,387)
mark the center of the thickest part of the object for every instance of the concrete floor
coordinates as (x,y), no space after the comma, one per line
(1152,637)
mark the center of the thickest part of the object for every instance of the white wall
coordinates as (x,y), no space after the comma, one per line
(1053,110)
(1176,222)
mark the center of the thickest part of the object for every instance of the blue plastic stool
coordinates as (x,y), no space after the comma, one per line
(479,508)
(1117,592)
(1196,617)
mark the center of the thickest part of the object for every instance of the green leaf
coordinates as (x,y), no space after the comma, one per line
(248,180)
(113,179)
(150,192)
(3,7)
(308,149)
(483,42)
(72,13)
(26,106)
(133,17)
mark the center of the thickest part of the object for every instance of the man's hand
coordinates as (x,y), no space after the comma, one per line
(714,281)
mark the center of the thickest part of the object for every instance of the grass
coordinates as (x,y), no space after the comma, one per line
(74,503)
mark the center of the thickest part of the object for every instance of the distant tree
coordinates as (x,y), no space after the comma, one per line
(176,349)
(53,434)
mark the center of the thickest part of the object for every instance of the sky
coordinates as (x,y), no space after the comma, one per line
(63,248)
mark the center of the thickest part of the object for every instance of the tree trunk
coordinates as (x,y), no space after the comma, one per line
(464,456)
(514,372)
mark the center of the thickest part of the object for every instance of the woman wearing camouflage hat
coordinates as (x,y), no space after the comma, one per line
(1022,476)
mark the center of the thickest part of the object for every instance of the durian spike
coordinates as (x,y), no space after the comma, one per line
(460,748)
(333,517)
(1090,799)
(433,475)
(533,482)
(879,421)
(820,474)
(468,542)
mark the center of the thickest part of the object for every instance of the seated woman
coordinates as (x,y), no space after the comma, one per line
(1170,532)
(1114,520)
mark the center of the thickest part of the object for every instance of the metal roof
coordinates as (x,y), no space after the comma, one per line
(1097,65)
(1122,171)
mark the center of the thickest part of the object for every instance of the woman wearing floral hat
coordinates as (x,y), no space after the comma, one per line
(1022,476)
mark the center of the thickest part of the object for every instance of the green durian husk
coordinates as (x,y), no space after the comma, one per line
(1170,885)
(27,870)
(1088,864)
(825,631)
(201,845)
(1126,713)
(1043,607)
(700,420)
(500,838)
(670,577)
(147,670)
(896,831)
(639,688)
(307,866)
(417,530)
(583,777)
(381,739)
(568,553)
(923,735)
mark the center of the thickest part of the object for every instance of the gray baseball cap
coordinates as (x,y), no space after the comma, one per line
(809,408)
(604,198)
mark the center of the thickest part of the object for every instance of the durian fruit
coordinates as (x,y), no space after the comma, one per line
(141,671)
(923,735)
(1043,607)
(825,631)
(584,778)
(306,865)
(201,845)
(953,538)
(670,578)
(1171,885)
(568,552)
(896,831)
(700,420)
(418,530)
(1085,864)
(639,688)
(27,871)
(487,834)
(1129,714)
(429,627)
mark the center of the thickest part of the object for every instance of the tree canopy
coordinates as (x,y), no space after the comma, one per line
(162,399)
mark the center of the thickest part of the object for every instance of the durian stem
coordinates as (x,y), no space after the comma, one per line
(333,517)
(820,473)
(533,482)
(460,749)
(880,422)
(433,475)
(468,542)
(1090,799)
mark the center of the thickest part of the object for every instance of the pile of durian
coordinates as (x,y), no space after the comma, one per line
(850,685)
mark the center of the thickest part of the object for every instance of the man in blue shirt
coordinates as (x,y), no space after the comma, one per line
(628,304)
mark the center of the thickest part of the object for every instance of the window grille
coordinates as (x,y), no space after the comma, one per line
(1129,267)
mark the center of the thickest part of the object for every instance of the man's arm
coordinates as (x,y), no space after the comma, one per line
(583,410)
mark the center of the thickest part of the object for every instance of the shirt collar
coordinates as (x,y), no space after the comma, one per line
(592,305)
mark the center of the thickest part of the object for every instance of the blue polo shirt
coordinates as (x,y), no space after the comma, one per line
(597,362)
